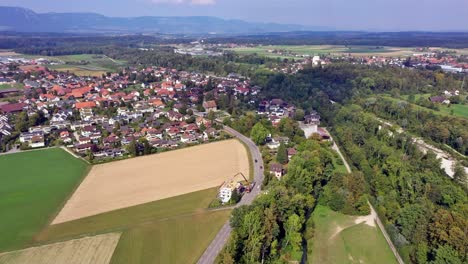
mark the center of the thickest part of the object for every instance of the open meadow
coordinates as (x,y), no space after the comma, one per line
(173,230)
(312,50)
(88,250)
(33,187)
(340,238)
(145,179)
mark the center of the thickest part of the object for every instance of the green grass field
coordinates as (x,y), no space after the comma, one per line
(458,110)
(173,230)
(355,243)
(33,187)
(312,50)
(96,66)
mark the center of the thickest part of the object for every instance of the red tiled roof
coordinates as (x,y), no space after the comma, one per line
(11,108)
(80,105)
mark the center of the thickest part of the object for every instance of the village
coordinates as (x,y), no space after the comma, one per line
(102,117)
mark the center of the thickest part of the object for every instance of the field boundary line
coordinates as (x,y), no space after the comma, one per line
(65,201)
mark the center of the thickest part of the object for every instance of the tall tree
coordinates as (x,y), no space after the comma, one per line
(259,134)
(282,155)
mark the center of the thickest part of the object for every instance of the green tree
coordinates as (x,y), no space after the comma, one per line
(235,197)
(259,133)
(211,116)
(447,255)
(282,155)
(132,148)
(299,115)
(147,149)
(293,236)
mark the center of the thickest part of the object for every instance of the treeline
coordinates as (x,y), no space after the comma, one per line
(339,82)
(271,230)
(442,129)
(165,57)
(36,43)
(398,39)
(425,212)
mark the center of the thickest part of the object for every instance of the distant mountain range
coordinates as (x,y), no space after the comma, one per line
(25,20)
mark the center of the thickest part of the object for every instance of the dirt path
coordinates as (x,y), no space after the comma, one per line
(373,216)
(448,162)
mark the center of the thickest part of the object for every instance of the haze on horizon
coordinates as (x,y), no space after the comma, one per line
(371,15)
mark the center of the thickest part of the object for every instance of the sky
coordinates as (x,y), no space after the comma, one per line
(370,15)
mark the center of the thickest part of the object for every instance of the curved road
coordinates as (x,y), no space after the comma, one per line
(221,238)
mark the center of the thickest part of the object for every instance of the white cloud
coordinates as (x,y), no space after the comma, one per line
(203,2)
(193,2)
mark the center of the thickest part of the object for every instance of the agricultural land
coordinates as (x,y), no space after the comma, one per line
(173,230)
(33,186)
(281,51)
(137,181)
(88,250)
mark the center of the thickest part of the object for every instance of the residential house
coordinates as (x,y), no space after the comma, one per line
(210,106)
(277,170)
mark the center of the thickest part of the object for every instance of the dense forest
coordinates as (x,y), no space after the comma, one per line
(315,88)
(272,229)
(442,129)
(426,212)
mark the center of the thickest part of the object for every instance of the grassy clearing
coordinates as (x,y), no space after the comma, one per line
(173,230)
(33,186)
(460,110)
(338,239)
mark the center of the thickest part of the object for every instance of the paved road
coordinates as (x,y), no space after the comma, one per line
(373,212)
(222,237)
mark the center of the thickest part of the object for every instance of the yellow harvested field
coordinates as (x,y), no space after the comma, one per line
(88,250)
(8,53)
(145,179)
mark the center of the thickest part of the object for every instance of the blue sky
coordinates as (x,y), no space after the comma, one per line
(390,15)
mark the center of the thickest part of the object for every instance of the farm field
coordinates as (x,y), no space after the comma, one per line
(173,230)
(312,50)
(88,250)
(80,70)
(83,65)
(339,238)
(145,179)
(32,190)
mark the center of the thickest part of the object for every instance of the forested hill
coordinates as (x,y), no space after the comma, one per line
(25,20)
(424,211)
